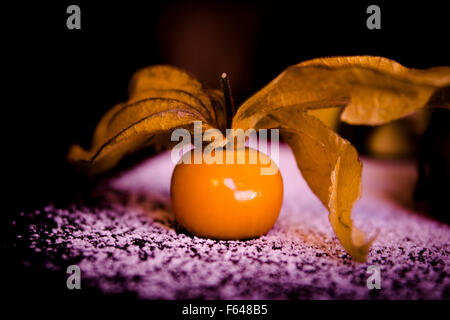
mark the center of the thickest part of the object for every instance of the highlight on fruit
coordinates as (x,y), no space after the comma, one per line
(163,99)
(227,200)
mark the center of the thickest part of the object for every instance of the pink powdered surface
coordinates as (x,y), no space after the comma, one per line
(128,242)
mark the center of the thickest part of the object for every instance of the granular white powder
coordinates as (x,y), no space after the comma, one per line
(127,242)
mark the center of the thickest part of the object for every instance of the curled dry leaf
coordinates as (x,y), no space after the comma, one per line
(161,99)
(330,166)
(370,90)
(374,90)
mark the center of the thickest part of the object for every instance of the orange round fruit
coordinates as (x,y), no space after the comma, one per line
(227,200)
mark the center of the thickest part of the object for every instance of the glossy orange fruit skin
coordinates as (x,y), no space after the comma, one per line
(226,201)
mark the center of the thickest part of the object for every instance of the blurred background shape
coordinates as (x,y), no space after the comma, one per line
(208,38)
(64,80)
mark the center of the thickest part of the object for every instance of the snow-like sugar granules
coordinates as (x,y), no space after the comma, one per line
(126,241)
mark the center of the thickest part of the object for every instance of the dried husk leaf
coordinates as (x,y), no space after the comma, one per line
(330,166)
(369,90)
(374,90)
(140,134)
(163,77)
(162,98)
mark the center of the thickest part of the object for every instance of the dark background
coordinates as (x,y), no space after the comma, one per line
(58,82)
(62,80)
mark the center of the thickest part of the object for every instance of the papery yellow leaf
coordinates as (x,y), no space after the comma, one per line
(140,134)
(163,78)
(134,112)
(330,166)
(369,90)
(176,96)
(329,117)
(162,98)
(374,90)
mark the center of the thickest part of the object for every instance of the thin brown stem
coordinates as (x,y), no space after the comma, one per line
(229,104)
